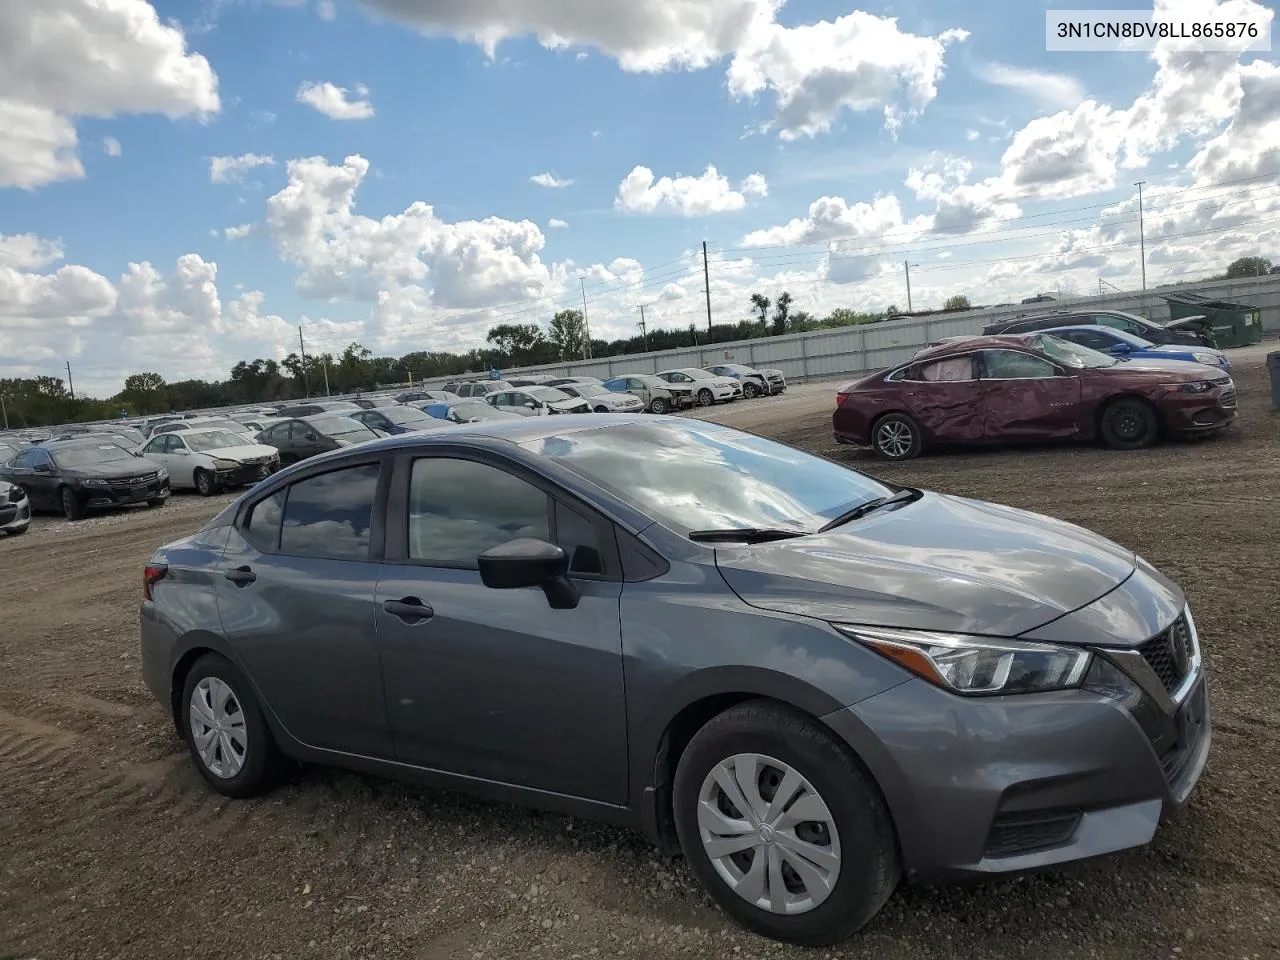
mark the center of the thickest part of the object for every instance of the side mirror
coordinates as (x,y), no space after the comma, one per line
(1121,348)
(528,562)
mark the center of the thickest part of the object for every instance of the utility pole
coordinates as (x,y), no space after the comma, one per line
(71,386)
(1099,286)
(1142,236)
(586,324)
(302,348)
(643,330)
(907,267)
(4,410)
(325,367)
(706,281)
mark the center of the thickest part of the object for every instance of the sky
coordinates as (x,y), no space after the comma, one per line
(185,183)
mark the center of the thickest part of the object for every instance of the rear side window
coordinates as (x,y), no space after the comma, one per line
(262,526)
(330,515)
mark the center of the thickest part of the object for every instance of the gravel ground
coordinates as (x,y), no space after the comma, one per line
(113,848)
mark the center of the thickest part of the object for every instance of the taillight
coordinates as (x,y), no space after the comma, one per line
(152,574)
(841,398)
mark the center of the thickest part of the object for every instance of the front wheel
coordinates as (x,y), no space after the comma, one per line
(1130,424)
(783,826)
(896,437)
(750,390)
(72,508)
(224,727)
(659,405)
(705,397)
(602,409)
(204,483)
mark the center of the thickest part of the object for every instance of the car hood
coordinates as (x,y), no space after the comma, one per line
(1184,349)
(248,451)
(615,399)
(568,406)
(1197,322)
(940,563)
(115,469)
(1170,369)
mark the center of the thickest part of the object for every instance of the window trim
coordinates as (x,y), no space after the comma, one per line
(396,542)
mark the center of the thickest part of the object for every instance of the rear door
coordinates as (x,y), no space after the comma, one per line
(1025,397)
(945,398)
(295,595)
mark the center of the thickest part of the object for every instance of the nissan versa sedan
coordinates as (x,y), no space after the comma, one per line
(810,682)
(1032,387)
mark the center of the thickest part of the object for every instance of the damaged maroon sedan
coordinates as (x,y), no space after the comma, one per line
(1033,387)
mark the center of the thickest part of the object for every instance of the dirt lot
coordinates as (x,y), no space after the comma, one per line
(112,847)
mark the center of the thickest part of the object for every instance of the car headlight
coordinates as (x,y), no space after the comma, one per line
(977,665)
(162,474)
(1208,358)
(219,464)
(93,482)
(1199,386)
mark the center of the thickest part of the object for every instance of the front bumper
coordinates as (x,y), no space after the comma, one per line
(1199,413)
(246,473)
(122,495)
(776,383)
(988,786)
(15,515)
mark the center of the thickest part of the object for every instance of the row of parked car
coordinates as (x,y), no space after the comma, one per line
(83,467)
(1105,375)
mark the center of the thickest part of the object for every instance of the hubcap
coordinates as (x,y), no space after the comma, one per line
(768,834)
(1128,425)
(218,727)
(894,438)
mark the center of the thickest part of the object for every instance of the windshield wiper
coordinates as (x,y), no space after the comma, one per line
(905,495)
(744,535)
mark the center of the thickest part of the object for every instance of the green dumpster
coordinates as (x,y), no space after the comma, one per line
(1234,324)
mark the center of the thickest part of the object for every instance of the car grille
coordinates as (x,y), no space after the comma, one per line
(1227,398)
(1017,833)
(1168,654)
(134,481)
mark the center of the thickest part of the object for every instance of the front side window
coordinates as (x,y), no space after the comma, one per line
(458,509)
(1013,365)
(262,526)
(330,515)
(155,446)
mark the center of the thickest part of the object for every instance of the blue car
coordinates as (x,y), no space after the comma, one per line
(466,411)
(1121,344)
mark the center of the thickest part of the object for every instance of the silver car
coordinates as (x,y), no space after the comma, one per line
(537,402)
(658,395)
(707,388)
(602,400)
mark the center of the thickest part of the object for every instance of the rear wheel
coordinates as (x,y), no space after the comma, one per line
(1130,424)
(896,436)
(750,390)
(783,825)
(225,729)
(72,508)
(705,397)
(659,405)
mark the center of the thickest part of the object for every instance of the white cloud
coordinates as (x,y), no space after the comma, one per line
(333,101)
(1057,91)
(326,10)
(111,146)
(238,233)
(61,59)
(233,169)
(26,251)
(971,135)
(550,180)
(832,218)
(858,62)
(710,193)
(556,224)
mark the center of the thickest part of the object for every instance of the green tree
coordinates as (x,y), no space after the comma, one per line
(1249,267)
(569,334)
(844,317)
(781,313)
(519,344)
(144,393)
(892,310)
(958,302)
(760,303)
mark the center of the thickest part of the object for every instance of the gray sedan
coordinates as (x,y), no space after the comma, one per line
(811,683)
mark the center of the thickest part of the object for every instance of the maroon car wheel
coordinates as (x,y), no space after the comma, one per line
(896,436)
(1129,424)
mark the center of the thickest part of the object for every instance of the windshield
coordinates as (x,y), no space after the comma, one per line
(475,410)
(343,428)
(705,476)
(89,455)
(213,440)
(404,415)
(1071,354)
(549,394)
(588,389)
(1131,338)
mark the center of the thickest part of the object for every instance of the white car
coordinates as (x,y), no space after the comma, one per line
(209,459)
(203,423)
(602,400)
(707,387)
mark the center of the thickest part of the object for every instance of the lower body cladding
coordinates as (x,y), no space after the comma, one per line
(103,498)
(980,787)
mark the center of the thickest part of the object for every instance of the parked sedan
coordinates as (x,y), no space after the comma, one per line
(375,403)
(812,682)
(396,420)
(603,400)
(479,389)
(300,437)
(75,476)
(537,402)
(423,396)
(1127,346)
(1029,388)
(572,381)
(466,411)
(200,423)
(755,383)
(1188,331)
(310,408)
(707,388)
(211,459)
(658,395)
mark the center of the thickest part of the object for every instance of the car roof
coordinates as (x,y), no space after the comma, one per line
(968,344)
(524,429)
(94,440)
(191,433)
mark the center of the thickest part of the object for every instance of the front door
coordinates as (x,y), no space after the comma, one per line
(945,398)
(33,471)
(1026,397)
(295,596)
(494,684)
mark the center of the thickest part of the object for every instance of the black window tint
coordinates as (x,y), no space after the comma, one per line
(262,526)
(458,509)
(329,515)
(580,540)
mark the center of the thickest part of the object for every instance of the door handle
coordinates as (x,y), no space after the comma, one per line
(409,609)
(241,576)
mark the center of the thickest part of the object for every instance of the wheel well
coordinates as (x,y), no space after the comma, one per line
(1112,401)
(179,681)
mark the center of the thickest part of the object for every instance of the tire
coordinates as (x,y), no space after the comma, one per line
(72,508)
(205,485)
(602,410)
(857,829)
(750,390)
(705,397)
(1129,424)
(895,436)
(659,405)
(244,740)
